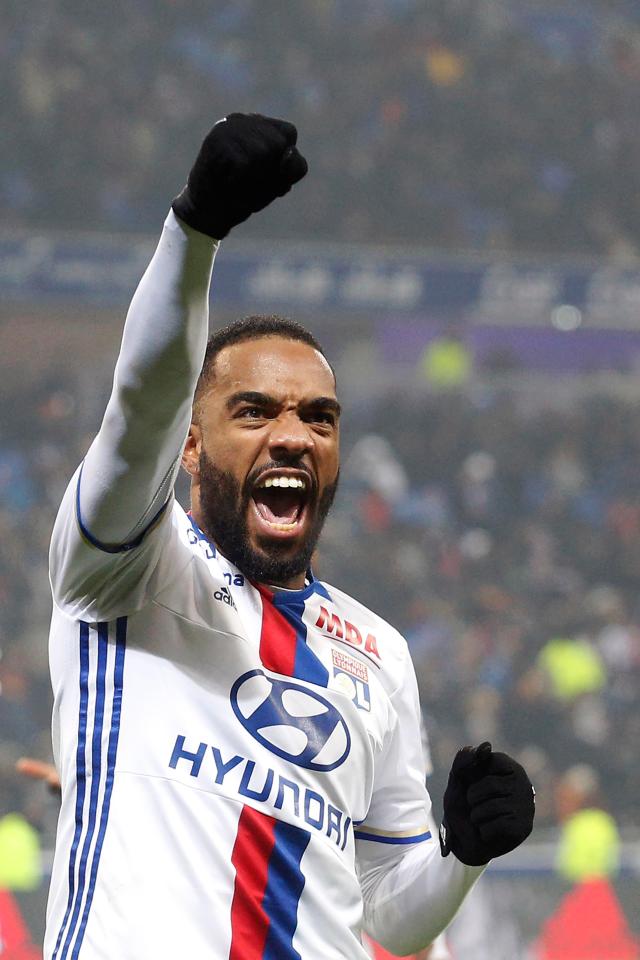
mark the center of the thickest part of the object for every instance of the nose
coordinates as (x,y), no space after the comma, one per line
(289,437)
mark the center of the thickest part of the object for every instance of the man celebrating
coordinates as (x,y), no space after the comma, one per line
(238,743)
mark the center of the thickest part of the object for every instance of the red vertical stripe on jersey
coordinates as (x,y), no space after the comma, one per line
(278,639)
(251,852)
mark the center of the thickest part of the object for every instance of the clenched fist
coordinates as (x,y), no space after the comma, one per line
(245,162)
(489,805)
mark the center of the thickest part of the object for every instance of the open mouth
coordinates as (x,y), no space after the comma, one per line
(280,501)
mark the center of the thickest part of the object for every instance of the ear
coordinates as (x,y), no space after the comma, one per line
(191,451)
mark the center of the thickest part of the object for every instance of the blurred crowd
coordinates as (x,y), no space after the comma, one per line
(40,439)
(502,538)
(506,124)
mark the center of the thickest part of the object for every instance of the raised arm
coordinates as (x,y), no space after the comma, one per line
(129,471)
(127,477)
(244,163)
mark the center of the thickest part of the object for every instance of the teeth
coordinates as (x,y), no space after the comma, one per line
(295,482)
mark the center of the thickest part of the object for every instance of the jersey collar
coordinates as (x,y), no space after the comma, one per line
(281,598)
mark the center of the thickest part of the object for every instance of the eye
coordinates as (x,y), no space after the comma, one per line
(322,416)
(252,413)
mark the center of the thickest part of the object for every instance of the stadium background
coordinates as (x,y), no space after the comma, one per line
(467,247)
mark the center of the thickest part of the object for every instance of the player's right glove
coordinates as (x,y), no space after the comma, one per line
(245,162)
(489,805)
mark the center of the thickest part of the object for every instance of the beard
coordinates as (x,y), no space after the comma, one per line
(224,505)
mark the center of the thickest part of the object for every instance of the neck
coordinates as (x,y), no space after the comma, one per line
(295,583)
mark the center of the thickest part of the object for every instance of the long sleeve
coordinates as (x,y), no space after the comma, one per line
(102,553)
(130,468)
(410,892)
(411,895)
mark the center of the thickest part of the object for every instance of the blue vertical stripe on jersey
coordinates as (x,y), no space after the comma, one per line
(80,774)
(112,751)
(77,891)
(96,763)
(285,883)
(96,769)
(306,665)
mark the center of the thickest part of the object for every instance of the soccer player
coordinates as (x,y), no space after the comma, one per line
(238,743)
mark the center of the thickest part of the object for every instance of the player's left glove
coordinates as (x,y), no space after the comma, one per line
(489,805)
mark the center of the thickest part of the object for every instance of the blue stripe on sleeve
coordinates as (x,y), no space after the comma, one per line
(285,883)
(114,547)
(419,838)
(80,774)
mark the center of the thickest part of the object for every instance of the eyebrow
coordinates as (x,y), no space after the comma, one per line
(264,400)
(248,396)
(324,403)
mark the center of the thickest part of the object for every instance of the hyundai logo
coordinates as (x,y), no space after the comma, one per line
(291,721)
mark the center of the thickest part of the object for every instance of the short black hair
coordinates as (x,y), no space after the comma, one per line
(254,327)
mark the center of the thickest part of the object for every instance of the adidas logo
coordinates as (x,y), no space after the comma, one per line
(224,596)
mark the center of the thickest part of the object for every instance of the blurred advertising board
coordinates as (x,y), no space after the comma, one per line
(104,268)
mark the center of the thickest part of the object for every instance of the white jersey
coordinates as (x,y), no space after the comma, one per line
(242,771)
(221,749)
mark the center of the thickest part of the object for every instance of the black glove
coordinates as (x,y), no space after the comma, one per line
(245,162)
(489,805)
